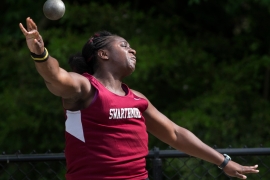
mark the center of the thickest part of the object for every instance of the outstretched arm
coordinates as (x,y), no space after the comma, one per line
(184,140)
(59,82)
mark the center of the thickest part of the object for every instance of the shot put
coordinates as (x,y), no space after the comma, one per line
(54,9)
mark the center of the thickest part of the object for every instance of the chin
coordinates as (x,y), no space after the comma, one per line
(131,70)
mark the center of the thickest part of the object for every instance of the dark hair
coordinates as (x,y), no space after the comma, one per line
(86,61)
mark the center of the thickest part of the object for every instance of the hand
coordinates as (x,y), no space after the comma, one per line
(33,38)
(234,169)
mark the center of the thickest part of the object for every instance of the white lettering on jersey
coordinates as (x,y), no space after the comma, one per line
(114,113)
(124,113)
(111,114)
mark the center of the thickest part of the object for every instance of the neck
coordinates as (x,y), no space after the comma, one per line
(110,82)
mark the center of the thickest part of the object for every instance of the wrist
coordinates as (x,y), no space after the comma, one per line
(225,162)
(42,57)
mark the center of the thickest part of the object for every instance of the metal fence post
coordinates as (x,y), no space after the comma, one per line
(157,165)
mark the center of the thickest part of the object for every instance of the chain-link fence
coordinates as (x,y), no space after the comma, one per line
(161,164)
(175,165)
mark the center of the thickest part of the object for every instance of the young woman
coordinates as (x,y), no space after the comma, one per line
(106,122)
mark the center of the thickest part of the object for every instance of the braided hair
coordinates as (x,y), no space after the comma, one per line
(86,61)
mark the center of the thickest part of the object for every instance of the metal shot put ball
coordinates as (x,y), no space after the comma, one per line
(54,9)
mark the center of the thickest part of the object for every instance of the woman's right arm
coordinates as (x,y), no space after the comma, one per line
(61,83)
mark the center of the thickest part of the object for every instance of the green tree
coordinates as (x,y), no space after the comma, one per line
(203,64)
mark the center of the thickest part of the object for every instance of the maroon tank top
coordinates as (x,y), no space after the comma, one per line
(108,139)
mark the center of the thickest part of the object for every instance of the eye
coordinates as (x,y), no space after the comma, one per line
(124,44)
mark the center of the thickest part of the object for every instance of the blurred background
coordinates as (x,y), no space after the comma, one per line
(204,64)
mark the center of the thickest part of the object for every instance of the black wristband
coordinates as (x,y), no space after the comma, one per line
(42,57)
(225,162)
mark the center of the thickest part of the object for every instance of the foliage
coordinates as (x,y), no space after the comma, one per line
(203,64)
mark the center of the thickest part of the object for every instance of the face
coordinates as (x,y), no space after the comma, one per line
(122,55)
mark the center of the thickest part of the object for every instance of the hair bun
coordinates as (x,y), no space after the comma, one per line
(77,63)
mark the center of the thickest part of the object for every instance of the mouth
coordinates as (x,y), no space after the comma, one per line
(133,59)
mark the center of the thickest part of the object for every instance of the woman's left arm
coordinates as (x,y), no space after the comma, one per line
(184,140)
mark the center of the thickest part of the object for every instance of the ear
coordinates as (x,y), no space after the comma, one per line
(103,54)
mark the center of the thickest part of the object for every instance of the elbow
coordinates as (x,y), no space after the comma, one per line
(180,136)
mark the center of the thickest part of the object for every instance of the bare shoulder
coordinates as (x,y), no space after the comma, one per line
(137,93)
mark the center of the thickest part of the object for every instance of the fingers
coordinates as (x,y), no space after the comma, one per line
(31,29)
(249,169)
(22,29)
(240,176)
(246,170)
(33,38)
(30,24)
(236,170)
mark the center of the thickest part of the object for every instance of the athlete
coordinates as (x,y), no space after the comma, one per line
(106,122)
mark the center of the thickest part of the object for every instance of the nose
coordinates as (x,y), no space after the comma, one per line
(132,51)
